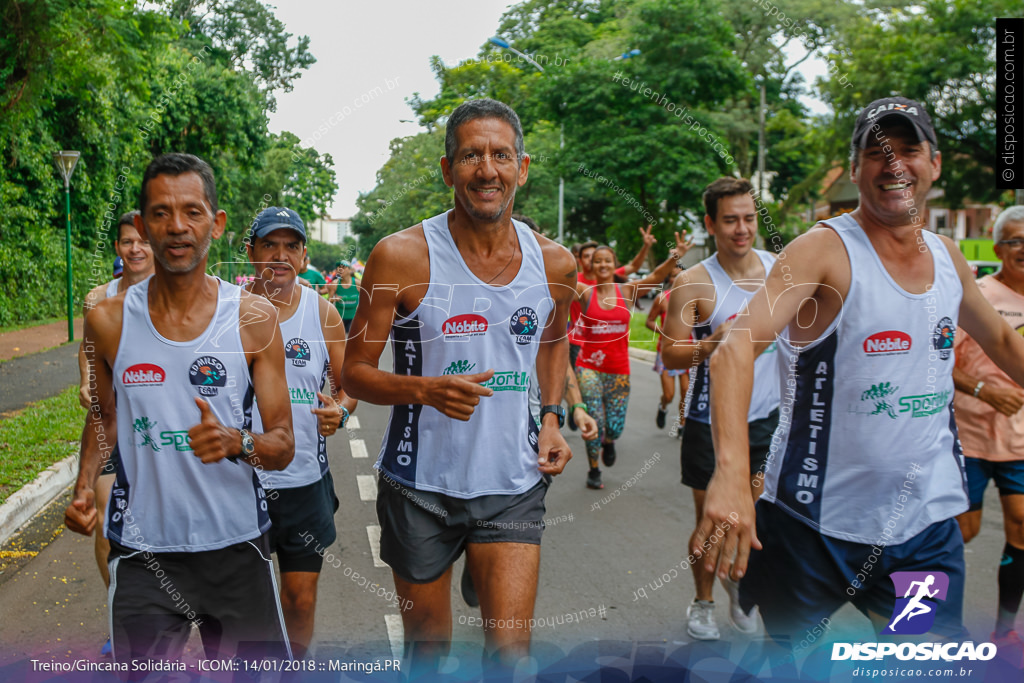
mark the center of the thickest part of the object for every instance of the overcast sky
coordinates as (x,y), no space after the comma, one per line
(361,46)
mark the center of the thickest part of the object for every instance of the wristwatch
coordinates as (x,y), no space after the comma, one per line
(344,415)
(248,443)
(557,410)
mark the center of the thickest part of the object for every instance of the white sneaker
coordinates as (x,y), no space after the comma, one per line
(742,622)
(700,620)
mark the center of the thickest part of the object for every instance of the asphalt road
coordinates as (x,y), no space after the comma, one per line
(600,549)
(38,376)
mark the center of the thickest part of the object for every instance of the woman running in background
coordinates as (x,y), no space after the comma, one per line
(603,363)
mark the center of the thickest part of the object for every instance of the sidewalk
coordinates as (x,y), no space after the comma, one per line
(35,339)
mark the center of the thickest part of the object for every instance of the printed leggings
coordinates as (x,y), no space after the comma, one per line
(606,396)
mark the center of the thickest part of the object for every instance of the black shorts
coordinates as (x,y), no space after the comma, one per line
(422,533)
(230,593)
(302,523)
(110,466)
(697,453)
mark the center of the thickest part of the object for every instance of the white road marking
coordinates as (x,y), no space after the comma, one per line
(353,422)
(367,486)
(373,533)
(396,634)
(358,447)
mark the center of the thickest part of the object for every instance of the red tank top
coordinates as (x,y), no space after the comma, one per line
(574,313)
(605,336)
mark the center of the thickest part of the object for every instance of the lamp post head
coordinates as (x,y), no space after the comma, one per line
(499,42)
(66,161)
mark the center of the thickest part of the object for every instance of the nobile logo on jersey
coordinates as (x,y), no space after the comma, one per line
(297,351)
(143,374)
(942,338)
(523,325)
(207,374)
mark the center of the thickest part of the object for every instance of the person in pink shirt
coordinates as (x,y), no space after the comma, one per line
(991,423)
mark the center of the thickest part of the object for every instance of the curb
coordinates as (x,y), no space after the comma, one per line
(31,498)
(642,354)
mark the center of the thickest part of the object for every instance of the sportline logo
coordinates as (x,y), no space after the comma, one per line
(890,343)
(469,325)
(143,374)
(917,598)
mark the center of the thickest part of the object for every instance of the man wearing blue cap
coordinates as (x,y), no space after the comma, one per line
(301,497)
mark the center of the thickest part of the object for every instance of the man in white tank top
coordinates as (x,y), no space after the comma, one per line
(471,300)
(865,476)
(187,510)
(301,498)
(704,299)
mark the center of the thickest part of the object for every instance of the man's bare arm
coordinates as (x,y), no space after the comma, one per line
(997,339)
(690,288)
(275,447)
(102,335)
(728,502)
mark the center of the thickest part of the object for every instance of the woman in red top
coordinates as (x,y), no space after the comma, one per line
(603,363)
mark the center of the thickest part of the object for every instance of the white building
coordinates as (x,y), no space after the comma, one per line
(329,230)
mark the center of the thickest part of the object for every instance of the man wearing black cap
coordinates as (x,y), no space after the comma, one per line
(301,497)
(177,361)
(865,475)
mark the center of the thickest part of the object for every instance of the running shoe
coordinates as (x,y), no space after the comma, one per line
(106,650)
(743,622)
(662,414)
(1010,647)
(468,590)
(608,454)
(594,479)
(700,620)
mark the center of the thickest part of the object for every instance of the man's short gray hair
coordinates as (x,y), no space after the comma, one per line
(1011,214)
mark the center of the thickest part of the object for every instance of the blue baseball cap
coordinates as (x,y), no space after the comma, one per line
(274,218)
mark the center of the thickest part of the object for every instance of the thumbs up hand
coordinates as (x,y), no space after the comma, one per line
(210,440)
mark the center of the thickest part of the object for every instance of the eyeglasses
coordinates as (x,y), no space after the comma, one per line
(1012,244)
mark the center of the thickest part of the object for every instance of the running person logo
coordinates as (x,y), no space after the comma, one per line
(459,367)
(523,325)
(914,612)
(142,426)
(880,393)
(297,350)
(942,338)
(207,375)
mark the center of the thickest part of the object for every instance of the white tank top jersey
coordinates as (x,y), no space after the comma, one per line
(867,449)
(164,498)
(730,299)
(305,366)
(465,326)
(112,288)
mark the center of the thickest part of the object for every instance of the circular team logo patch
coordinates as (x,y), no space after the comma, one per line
(298,351)
(523,325)
(942,338)
(207,375)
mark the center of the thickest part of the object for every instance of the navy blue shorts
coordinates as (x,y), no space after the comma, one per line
(802,576)
(1009,477)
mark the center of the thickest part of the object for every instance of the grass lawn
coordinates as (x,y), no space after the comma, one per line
(639,336)
(36,437)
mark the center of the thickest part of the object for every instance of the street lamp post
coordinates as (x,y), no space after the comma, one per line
(502,43)
(66,161)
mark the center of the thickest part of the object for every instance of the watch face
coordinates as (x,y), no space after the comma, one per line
(248,443)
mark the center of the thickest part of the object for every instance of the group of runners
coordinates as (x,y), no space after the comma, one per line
(820,377)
